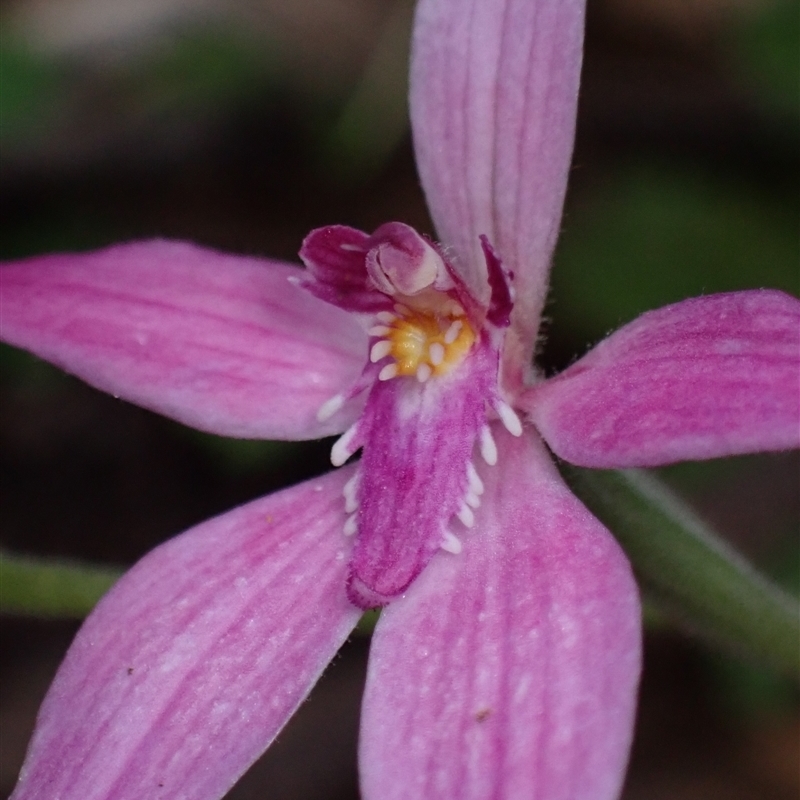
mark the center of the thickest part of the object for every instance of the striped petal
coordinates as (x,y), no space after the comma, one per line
(511,669)
(708,377)
(494,87)
(192,663)
(222,343)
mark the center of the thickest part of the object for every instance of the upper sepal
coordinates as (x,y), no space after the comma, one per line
(493,98)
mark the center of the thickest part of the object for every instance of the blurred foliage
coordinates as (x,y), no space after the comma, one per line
(240,456)
(648,234)
(60,228)
(745,688)
(208,67)
(30,90)
(200,73)
(19,369)
(375,117)
(764,52)
(779,546)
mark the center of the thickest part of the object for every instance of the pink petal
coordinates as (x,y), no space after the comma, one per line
(494,87)
(189,667)
(509,670)
(222,343)
(418,442)
(708,377)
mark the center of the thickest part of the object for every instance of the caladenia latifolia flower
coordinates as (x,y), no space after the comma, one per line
(506,658)
(432,385)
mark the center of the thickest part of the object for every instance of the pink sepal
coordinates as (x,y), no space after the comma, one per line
(494,89)
(222,343)
(707,377)
(189,667)
(413,474)
(510,670)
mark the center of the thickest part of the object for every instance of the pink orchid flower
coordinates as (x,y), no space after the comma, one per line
(506,660)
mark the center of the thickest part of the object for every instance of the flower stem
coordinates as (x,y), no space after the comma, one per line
(51,588)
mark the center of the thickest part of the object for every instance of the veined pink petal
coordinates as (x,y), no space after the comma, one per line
(222,343)
(494,87)
(510,670)
(413,476)
(192,663)
(707,377)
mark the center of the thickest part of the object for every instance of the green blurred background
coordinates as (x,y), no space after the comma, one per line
(241,125)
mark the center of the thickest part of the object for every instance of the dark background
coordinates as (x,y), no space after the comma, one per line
(242,125)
